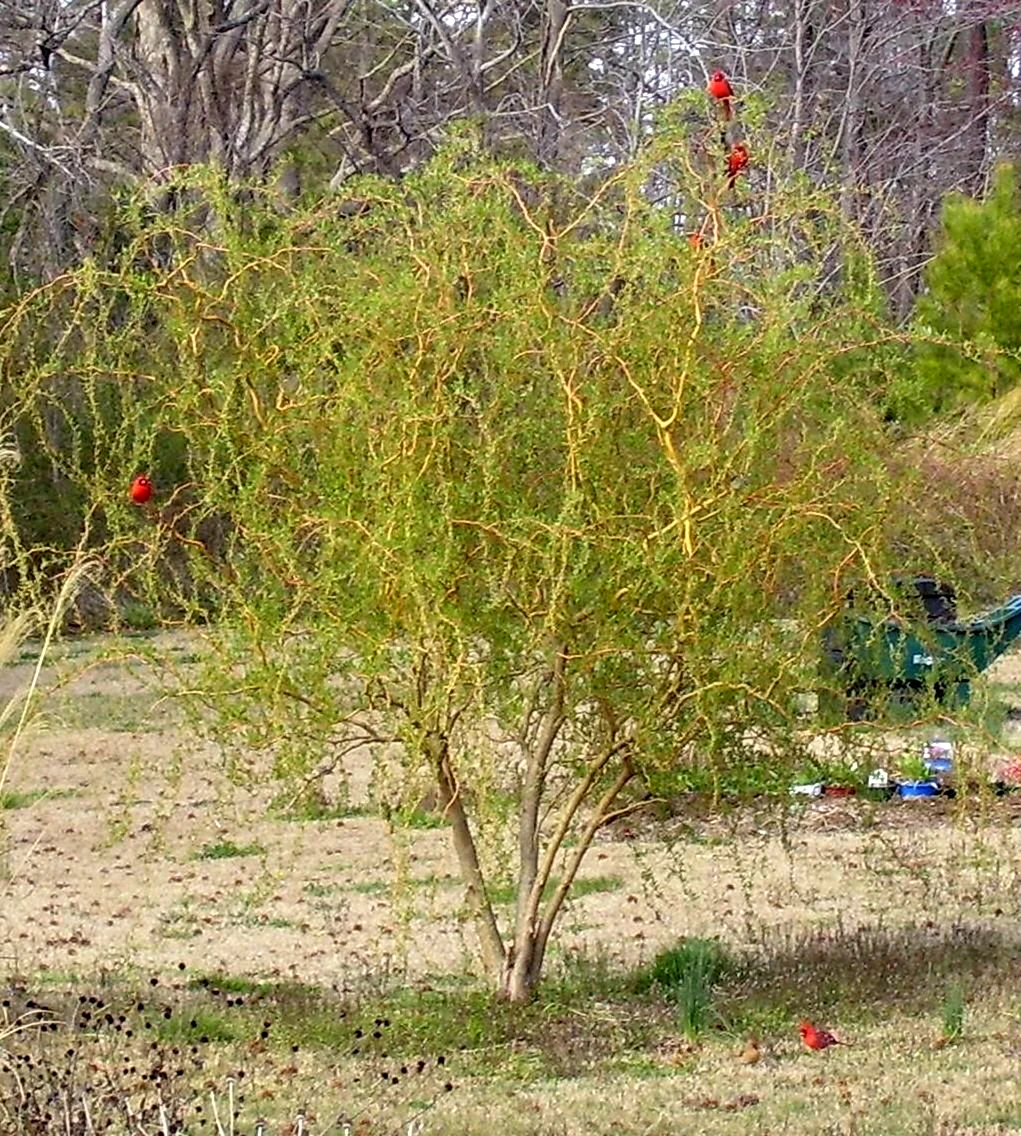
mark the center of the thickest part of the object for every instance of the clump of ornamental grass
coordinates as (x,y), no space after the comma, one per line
(687,976)
(952,1012)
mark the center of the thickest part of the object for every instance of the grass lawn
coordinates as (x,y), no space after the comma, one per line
(178,956)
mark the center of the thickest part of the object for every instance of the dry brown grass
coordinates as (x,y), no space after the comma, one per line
(857,916)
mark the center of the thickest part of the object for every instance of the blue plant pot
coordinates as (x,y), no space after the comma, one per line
(918,789)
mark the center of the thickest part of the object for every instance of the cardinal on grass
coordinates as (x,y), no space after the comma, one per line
(814,1038)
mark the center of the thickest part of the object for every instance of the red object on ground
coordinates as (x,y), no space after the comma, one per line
(838,790)
(817,1038)
(719,87)
(141,489)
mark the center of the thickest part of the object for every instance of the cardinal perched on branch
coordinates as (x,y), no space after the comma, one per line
(141,489)
(737,160)
(814,1038)
(719,87)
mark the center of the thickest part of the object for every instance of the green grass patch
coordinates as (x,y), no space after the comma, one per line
(274,922)
(560,1030)
(117,713)
(952,1010)
(401,1023)
(864,973)
(595,885)
(194,1026)
(180,921)
(321,890)
(368,887)
(15,799)
(218,982)
(671,970)
(740,781)
(581,974)
(311,805)
(584,885)
(137,618)
(227,850)
(418,818)
(169,1055)
(592,1019)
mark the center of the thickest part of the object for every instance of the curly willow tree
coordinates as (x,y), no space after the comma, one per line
(504,474)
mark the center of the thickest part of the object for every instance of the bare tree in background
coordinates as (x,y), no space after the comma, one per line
(129,89)
(895,102)
(164,82)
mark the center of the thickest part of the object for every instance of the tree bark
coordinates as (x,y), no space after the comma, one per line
(977,107)
(849,138)
(555,17)
(802,45)
(518,978)
(526,958)
(452,806)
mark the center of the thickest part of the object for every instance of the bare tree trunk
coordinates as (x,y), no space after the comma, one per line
(525,960)
(515,967)
(520,971)
(803,43)
(977,107)
(452,805)
(911,255)
(555,18)
(849,138)
(159,97)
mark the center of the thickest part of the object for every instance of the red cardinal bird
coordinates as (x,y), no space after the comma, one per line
(737,160)
(141,489)
(817,1038)
(719,87)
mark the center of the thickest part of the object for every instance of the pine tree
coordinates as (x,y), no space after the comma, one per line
(970,315)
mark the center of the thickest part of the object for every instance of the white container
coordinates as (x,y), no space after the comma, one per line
(938,755)
(806,702)
(812,790)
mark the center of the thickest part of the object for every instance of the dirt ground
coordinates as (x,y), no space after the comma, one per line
(105,867)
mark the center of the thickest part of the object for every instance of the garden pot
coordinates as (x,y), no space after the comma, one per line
(839,791)
(918,789)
